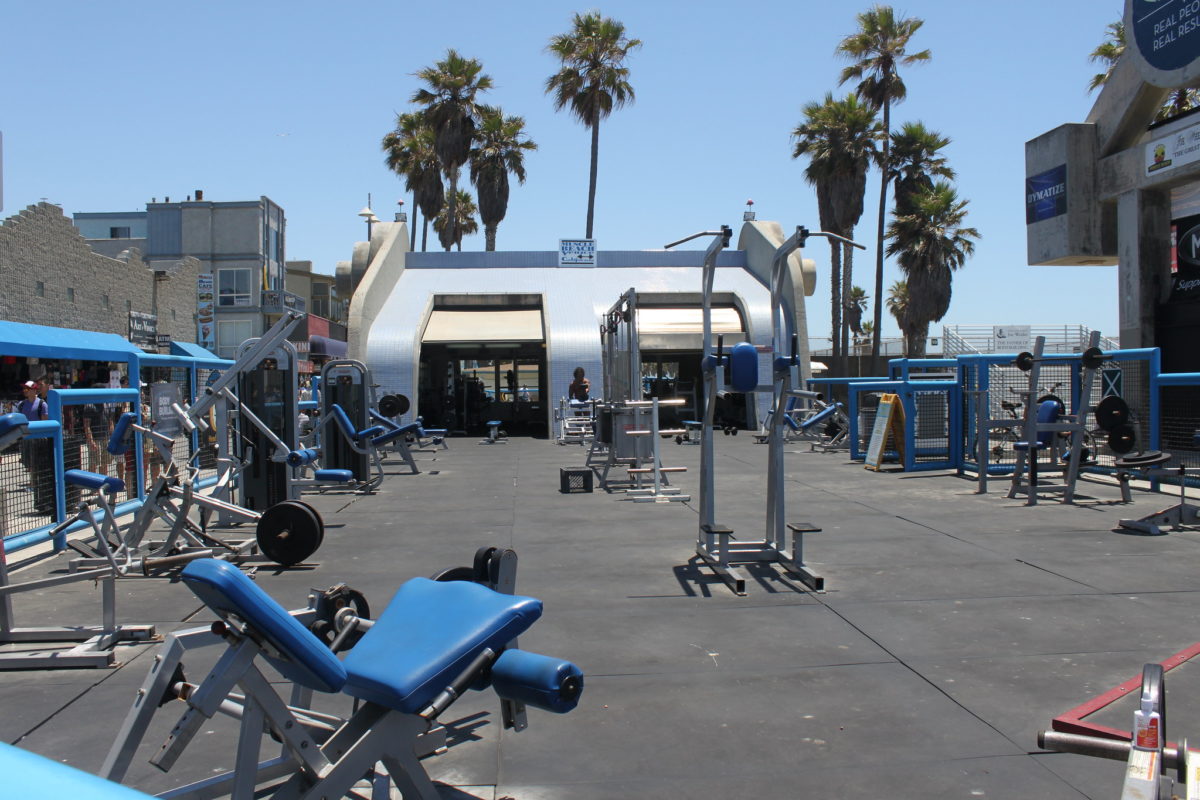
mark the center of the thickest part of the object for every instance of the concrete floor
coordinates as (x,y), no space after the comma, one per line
(955,626)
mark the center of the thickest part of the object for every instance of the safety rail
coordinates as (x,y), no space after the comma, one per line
(969,339)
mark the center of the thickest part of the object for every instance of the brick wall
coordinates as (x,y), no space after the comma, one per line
(40,244)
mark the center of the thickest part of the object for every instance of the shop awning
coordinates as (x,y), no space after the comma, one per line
(193,350)
(43,341)
(488,325)
(725,319)
(324,346)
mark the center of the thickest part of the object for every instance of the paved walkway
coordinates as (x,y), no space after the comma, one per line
(955,626)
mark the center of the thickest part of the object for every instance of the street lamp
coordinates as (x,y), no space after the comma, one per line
(400,215)
(370,217)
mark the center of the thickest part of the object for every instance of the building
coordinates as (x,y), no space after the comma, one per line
(430,324)
(322,336)
(54,278)
(1123,187)
(240,244)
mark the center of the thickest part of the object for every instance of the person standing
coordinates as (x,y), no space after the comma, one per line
(34,452)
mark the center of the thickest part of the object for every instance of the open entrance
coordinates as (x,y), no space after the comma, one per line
(484,359)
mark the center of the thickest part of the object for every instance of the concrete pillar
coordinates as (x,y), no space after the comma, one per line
(1144,252)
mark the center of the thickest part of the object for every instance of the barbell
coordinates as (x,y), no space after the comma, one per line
(1092,358)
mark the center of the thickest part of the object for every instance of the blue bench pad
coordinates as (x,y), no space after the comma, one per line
(427,636)
(28,774)
(822,415)
(396,433)
(94,480)
(333,475)
(12,422)
(226,590)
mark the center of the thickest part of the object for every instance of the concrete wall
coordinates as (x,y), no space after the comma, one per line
(41,244)
(380,263)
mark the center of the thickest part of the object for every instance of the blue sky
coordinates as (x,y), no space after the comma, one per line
(106,105)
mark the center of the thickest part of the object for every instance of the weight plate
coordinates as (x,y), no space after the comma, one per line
(289,532)
(1024,361)
(1092,358)
(1121,439)
(1111,412)
(455,574)
(1154,695)
(394,405)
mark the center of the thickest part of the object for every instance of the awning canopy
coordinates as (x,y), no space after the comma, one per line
(193,350)
(687,319)
(43,341)
(324,346)
(485,325)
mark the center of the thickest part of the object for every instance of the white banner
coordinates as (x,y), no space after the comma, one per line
(1177,150)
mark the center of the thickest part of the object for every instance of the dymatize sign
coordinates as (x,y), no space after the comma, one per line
(1167,32)
(1046,194)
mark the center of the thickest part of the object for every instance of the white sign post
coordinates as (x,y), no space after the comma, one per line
(577,252)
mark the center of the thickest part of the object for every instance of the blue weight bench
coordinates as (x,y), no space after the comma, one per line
(433,641)
(417,432)
(1048,412)
(308,474)
(30,775)
(493,436)
(372,440)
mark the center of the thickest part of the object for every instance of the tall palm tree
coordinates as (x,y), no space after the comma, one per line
(451,231)
(878,49)
(500,147)
(839,137)
(930,243)
(856,304)
(593,79)
(453,111)
(898,307)
(410,154)
(916,159)
(1108,53)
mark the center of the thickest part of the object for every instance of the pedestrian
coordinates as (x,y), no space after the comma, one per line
(34,452)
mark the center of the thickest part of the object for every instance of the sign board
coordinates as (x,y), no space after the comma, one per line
(1185,260)
(205,324)
(1171,152)
(143,330)
(577,252)
(1012,338)
(889,420)
(162,395)
(163,340)
(1046,195)
(1166,36)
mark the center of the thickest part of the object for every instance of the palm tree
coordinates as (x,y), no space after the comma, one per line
(453,112)
(500,146)
(411,155)
(451,234)
(1108,53)
(839,137)
(897,304)
(878,49)
(916,160)
(593,79)
(856,304)
(930,243)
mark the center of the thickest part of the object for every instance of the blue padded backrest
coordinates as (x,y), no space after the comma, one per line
(12,422)
(822,415)
(116,442)
(429,633)
(743,367)
(27,774)
(343,421)
(1048,411)
(226,590)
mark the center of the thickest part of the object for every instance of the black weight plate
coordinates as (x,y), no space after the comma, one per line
(289,532)
(1154,694)
(1092,358)
(455,574)
(1111,412)
(1024,361)
(394,405)
(1122,439)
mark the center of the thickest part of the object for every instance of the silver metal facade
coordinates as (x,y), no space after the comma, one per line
(574,300)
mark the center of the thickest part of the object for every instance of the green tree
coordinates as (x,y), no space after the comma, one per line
(451,233)
(452,110)
(1108,53)
(593,80)
(840,139)
(500,147)
(856,304)
(930,244)
(410,153)
(916,159)
(878,49)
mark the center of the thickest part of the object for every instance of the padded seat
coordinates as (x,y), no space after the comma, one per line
(10,423)
(396,433)
(94,480)
(429,633)
(28,774)
(333,475)
(343,421)
(822,415)
(303,658)
(1047,412)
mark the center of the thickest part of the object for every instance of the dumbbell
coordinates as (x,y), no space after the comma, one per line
(1092,358)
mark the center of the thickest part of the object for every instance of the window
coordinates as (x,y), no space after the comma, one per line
(233,287)
(104,302)
(70,295)
(40,290)
(230,334)
(173,317)
(129,305)
(119,233)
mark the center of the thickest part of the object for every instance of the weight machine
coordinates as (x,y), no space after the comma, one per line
(716,544)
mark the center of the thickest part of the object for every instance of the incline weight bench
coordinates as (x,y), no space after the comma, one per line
(434,640)
(370,441)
